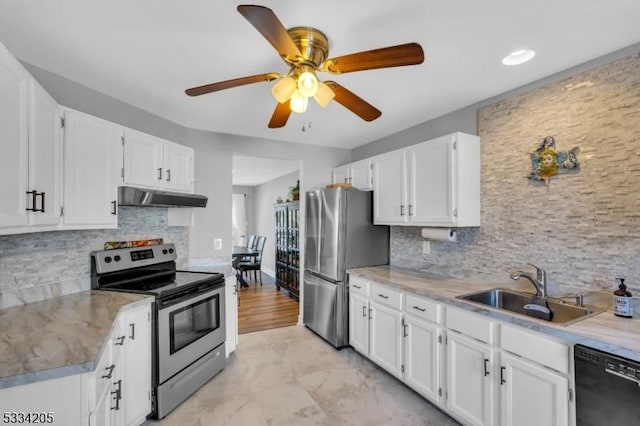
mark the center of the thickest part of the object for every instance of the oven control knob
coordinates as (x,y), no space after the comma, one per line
(117,258)
(164,251)
(107,259)
(170,250)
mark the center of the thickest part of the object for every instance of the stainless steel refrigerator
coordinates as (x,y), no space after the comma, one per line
(340,235)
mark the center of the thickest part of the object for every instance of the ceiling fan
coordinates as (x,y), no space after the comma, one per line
(305,50)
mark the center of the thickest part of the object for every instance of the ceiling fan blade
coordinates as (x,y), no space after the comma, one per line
(353,102)
(280,115)
(268,24)
(394,56)
(221,85)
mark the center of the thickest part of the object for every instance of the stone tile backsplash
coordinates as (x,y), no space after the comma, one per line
(40,265)
(583,228)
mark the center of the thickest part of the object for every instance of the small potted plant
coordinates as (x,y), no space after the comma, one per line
(294,191)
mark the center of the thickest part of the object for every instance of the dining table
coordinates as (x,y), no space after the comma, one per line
(237,254)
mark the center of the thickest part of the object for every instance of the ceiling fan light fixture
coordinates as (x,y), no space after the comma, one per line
(518,57)
(298,102)
(283,89)
(307,84)
(324,95)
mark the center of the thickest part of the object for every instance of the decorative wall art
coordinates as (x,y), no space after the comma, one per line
(546,161)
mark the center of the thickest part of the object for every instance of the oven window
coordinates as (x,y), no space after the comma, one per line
(188,324)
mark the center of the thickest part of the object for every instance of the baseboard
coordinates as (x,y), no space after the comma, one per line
(268,271)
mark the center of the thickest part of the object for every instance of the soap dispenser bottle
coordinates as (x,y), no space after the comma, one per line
(622,301)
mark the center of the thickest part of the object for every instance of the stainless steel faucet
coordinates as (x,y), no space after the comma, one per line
(539,281)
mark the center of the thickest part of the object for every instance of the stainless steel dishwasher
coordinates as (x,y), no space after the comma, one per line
(607,388)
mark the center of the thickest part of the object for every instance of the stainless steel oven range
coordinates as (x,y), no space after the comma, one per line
(189,317)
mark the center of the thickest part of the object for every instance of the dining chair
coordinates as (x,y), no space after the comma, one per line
(255,264)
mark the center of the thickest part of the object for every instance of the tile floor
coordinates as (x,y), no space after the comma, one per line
(289,376)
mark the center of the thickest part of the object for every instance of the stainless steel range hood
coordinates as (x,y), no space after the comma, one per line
(140,197)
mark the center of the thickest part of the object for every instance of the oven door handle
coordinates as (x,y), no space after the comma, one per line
(190,295)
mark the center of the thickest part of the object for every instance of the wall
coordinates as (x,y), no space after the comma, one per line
(266,195)
(584,227)
(46,264)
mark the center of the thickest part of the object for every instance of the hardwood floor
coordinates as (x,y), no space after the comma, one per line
(263,308)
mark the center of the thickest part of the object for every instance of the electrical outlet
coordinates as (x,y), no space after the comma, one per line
(217,243)
(426,247)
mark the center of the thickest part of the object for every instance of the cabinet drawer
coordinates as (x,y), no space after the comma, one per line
(421,307)
(468,323)
(386,296)
(358,286)
(535,347)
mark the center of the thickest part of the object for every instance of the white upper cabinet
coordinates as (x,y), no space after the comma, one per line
(30,160)
(358,174)
(151,162)
(434,183)
(92,160)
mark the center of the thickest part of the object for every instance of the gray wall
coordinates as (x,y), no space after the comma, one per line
(584,227)
(266,195)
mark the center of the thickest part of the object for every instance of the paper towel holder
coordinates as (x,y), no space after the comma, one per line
(440,234)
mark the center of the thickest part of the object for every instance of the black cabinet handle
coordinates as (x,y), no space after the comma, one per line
(502,380)
(404,329)
(402,210)
(117,394)
(383,296)
(356,286)
(410,212)
(114,207)
(159,173)
(33,195)
(417,308)
(110,368)
(168,175)
(133,332)
(41,209)
(364,311)
(120,340)
(486,364)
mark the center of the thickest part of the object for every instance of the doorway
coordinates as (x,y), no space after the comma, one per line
(261,187)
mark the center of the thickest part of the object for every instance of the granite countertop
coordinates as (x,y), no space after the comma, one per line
(604,331)
(58,337)
(220,264)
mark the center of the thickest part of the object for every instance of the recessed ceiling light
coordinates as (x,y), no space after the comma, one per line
(518,57)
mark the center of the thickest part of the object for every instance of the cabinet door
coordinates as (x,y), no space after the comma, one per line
(532,395)
(231,314)
(91,165)
(359,323)
(135,325)
(44,155)
(142,160)
(431,182)
(13,134)
(386,338)
(470,380)
(340,174)
(178,167)
(360,175)
(422,357)
(389,197)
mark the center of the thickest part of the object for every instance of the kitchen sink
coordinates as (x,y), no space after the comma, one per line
(513,301)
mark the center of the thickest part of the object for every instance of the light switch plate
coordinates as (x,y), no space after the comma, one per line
(426,247)
(217,243)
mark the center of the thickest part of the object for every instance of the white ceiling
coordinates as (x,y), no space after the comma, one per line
(147,52)
(252,171)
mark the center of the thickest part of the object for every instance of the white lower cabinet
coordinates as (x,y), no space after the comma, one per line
(531,395)
(386,338)
(423,357)
(359,323)
(478,370)
(231,315)
(470,383)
